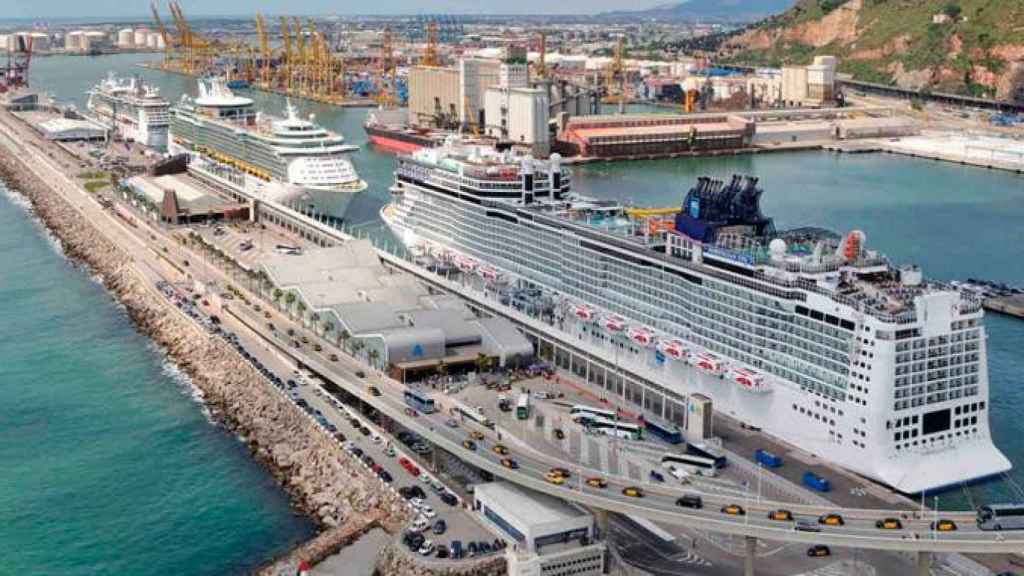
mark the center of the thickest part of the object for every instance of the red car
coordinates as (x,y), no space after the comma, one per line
(409,466)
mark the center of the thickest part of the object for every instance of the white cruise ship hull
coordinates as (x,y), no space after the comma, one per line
(849,435)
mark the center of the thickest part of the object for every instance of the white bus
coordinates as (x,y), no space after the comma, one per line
(614,428)
(580,413)
(473,414)
(690,463)
(1001,517)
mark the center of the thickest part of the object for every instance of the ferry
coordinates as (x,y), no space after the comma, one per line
(287,159)
(135,110)
(870,365)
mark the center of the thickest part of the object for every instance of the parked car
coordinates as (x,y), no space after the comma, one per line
(440,527)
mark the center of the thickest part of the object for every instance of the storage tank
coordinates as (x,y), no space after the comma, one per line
(155,41)
(95,40)
(140,37)
(3,41)
(73,41)
(125,38)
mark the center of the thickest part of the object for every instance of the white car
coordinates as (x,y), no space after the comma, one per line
(427,549)
(377,439)
(428,512)
(416,503)
(420,524)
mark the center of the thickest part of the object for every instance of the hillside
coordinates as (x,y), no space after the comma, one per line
(709,10)
(965,46)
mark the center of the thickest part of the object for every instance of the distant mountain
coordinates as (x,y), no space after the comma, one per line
(708,10)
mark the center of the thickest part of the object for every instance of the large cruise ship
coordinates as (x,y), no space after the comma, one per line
(137,110)
(289,160)
(806,334)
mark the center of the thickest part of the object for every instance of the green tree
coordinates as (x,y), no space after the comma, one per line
(952,10)
(344,337)
(374,355)
(315,319)
(276,296)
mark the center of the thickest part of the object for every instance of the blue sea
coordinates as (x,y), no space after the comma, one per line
(109,463)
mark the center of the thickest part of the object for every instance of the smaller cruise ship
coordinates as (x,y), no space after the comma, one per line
(287,159)
(136,110)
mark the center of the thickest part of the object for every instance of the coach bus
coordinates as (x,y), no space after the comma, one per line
(419,401)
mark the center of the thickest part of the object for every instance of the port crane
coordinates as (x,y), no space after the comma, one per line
(615,78)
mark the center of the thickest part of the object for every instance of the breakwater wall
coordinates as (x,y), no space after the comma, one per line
(322,481)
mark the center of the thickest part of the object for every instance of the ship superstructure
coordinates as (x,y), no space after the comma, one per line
(136,110)
(806,334)
(289,159)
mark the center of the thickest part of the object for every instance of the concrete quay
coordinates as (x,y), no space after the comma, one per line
(1010,305)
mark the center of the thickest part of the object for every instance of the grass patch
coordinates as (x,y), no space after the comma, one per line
(95,186)
(96,175)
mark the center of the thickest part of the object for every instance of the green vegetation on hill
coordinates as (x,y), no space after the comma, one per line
(899,36)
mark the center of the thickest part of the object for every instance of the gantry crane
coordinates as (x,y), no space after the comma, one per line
(386,71)
(168,41)
(287,67)
(615,78)
(542,68)
(430,57)
(265,55)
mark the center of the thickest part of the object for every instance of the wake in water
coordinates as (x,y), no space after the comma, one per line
(184,383)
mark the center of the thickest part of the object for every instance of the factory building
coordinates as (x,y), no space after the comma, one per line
(519,115)
(475,76)
(812,85)
(653,135)
(546,535)
(434,97)
(68,129)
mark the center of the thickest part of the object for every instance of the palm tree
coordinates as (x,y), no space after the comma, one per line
(328,327)
(302,311)
(482,362)
(344,337)
(289,299)
(276,297)
(442,368)
(315,319)
(373,354)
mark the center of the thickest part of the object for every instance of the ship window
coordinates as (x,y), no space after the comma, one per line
(937,421)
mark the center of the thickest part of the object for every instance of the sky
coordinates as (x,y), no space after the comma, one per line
(63,9)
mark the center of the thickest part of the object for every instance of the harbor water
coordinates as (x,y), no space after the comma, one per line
(954,221)
(111,465)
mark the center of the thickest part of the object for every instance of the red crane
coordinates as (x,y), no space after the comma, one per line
(14,73)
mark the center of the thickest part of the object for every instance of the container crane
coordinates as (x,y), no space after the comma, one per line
(287,67)
(386,71)
(265,56)
(616,71)
(430,57)
(542,68)
(168,41)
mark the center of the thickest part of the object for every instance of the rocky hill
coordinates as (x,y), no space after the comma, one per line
(708,11)
(965,46)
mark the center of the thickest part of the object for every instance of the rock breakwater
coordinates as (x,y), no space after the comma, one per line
(322,480)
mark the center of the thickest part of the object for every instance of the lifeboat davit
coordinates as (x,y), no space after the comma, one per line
(489,273)
(707,362)
(749,380)
(641,336)
(673,349)
(614,323)
(584,313)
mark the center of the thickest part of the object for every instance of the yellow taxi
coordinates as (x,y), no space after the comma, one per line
(597,482)
(819,551)
(633,491)
(781,515)
(733,510)
(500,449)
(556,479)
(469,445)
(509,463)
(561,472)
(889,524)
(944,525)
(476,435)
(831,520)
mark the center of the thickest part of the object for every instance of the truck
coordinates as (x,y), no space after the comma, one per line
(767,459)
(815,482)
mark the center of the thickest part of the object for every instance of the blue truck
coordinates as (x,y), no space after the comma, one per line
(815,482)
(767,459)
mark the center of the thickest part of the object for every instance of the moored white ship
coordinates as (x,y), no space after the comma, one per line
(136,110)
(870,366)
(290,160)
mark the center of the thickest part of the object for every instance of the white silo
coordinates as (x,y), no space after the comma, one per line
(140,36)
(125,38)
(73,41)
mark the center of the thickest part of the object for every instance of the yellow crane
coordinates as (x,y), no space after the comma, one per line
(287,66)
(265,56)
(303,58)
(430,57)
(542,68)
(615,92)
(168,41)
(386,72)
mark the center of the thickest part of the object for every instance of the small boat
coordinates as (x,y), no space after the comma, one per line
(674,349)
(614,323)
(641,336)
(749,380)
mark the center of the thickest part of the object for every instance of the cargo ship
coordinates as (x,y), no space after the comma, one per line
(386,129)
(807,334)
(291,160)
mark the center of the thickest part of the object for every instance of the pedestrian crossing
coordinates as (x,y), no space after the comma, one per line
(692,558)
(843,568)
